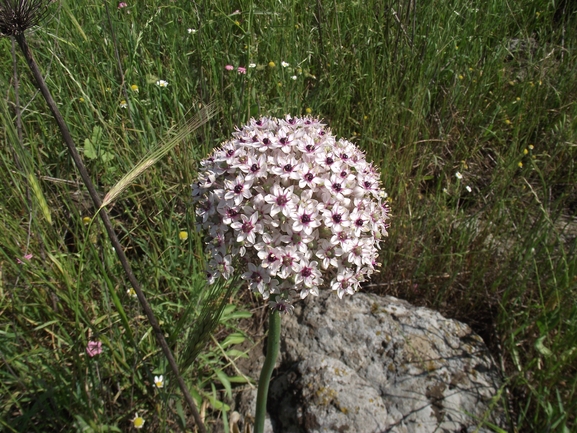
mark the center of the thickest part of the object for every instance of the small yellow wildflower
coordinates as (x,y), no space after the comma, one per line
(525,151)
(130,292)
(134,88)
(81,99)
(86,220)
(309,110)
(508,122)
(123,104)
(517,99)
(520,164)
(365,117)
(138,421)
(271,64)
(460,77)
(470,69)
(531,147)
(237,23)
(456,47)
(183,235)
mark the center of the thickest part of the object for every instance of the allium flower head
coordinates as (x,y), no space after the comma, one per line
(293,208)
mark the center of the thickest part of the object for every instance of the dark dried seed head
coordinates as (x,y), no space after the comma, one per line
(17,16)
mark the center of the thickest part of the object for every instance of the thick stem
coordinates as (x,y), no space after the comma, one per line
(108,225)
(266,372)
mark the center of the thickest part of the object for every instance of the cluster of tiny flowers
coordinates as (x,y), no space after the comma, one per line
(293,207)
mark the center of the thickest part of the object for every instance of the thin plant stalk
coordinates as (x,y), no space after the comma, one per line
(20,38)
(272,350)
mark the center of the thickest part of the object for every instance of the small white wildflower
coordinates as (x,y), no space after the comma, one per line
(123,104)
(162,83)
(459,175)
(252,65)
(468,188)
(191,31)
(284,64)
(294,77)
(138,421)
(159,381)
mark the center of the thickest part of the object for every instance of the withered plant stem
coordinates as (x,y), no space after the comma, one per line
(20,38)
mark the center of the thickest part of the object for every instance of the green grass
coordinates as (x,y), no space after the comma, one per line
(483,88)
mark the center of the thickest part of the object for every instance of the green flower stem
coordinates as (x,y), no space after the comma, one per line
(266,372)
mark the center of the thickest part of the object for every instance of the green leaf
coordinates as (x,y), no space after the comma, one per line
(238,379)
(217,404)
(106,157)
(233,353)
(96,135)
(225,382)
(229,313)
(89,150)
(234,338)
(541,347)
(180,413)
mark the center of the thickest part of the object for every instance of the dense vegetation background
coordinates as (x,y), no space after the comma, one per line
(468,106)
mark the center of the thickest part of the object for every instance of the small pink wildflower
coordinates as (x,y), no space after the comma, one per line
(229,67)
(26,257)
(241,70)
(122,5)
(94,348)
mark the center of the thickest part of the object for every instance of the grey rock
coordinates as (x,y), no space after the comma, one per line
(378,364)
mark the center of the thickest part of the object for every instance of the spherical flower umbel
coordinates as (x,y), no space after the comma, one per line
(294,208)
